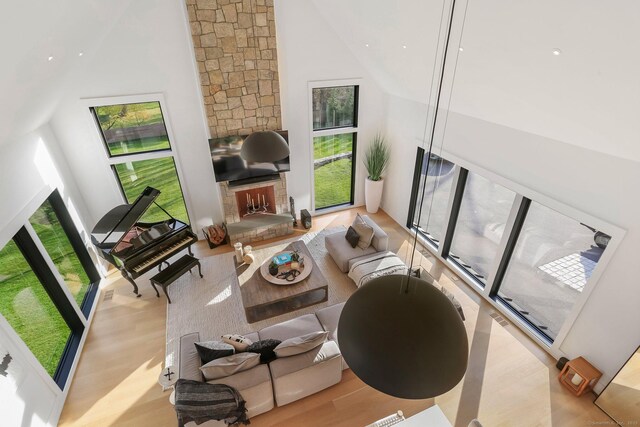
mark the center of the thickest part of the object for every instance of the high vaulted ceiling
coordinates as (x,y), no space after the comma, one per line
(31,31)
(588,96)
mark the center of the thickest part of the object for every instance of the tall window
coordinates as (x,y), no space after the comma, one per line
(551,263)
(47,226)
(137,143)
(335,121)
(32,299)
(25,305)
(481,221)
(432,219)
(542,259)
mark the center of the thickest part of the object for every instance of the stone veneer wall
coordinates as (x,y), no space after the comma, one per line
(235,48)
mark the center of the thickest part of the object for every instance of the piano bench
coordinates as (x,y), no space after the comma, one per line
(173,272)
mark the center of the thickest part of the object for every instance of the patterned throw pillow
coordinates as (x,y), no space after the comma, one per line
(364,230)
(352,237)
(211,350)
(265,349)
(238,342)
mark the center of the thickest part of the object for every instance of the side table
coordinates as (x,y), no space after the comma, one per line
(579,376)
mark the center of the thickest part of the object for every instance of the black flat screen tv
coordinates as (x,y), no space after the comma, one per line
(228,165)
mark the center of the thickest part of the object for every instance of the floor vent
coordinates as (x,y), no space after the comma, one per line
(108,295)
(498,318)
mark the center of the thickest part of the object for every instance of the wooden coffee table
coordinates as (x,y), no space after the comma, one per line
(262,300)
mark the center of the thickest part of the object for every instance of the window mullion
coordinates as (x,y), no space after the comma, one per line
(134,157)
(455,200)
(334,131)
(42,258)
(502,248)
(509,245)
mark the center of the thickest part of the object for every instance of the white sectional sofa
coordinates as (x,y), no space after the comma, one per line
(283,380)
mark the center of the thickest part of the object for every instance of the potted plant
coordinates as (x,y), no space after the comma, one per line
(376,161)
(273,268)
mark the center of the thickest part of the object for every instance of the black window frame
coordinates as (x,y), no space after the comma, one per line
(354,143)
(443,247)
(94,114)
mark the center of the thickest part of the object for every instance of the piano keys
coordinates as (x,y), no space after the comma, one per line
(136,247)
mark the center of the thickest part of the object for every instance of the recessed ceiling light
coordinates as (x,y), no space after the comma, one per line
(50,58)
(80,53)
(366,45)
(557,52)
(404,46)
(461,49)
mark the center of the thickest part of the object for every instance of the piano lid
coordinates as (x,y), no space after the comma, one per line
(118,221)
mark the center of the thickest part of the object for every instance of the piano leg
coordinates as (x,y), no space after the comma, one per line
(127,276)
(189,250)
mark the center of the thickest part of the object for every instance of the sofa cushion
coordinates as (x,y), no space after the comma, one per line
(287,365)
(341,251)
(211,350)
(352,237)
(239,342)
(265,349)
(329,318)
(364,230)
(301,344)
(225,366)
(380,239)
(291,328)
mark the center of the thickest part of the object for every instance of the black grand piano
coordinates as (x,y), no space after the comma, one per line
(137,247)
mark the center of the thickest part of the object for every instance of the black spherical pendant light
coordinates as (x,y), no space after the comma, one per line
(401,335)
(264,146)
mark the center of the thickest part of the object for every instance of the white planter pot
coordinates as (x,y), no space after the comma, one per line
(373,194)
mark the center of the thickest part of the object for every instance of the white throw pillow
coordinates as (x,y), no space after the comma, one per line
(238,342)
(229,365)
(364,230)
(300,344)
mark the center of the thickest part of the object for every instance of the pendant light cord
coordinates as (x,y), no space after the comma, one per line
(433,131)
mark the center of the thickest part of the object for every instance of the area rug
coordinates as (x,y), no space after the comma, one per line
(212,305)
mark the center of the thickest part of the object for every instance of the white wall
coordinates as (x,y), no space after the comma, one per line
(309,50)
(31,167)
(147,51)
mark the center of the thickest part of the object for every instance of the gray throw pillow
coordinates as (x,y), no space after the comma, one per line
(364,230)
(211,350)
(301,344)
(229,365)
(352,237)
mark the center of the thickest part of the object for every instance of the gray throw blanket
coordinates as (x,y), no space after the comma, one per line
(200,402)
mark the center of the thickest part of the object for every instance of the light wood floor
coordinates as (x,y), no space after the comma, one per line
(510,381)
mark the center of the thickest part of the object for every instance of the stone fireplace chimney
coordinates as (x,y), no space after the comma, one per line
(236,53)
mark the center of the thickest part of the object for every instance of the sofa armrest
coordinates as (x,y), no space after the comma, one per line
(190,362)
(380,239)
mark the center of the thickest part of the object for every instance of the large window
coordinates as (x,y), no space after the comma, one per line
(534,261)
(46,255)
(25,305)
(47,226)
(132,128)
(432,219)
(137,144)
(335,116)
(551,263)
(483,214)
